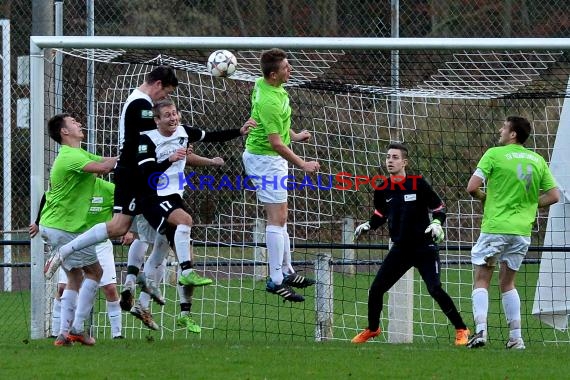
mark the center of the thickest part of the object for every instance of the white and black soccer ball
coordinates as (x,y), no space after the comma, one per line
(222,63)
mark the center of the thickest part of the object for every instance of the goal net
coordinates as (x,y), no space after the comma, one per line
(445,104)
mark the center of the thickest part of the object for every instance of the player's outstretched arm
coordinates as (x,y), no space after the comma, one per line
(286,152)
(102,167)
(304,135)
(192,159)
(249,124)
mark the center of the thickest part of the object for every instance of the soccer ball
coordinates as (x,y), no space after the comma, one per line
(222,63)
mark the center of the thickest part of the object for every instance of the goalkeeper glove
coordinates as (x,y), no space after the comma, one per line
(436,231)
(364,227)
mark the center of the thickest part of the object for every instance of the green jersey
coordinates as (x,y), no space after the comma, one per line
(69,198)
(271,110)
(101,208)
(514,176)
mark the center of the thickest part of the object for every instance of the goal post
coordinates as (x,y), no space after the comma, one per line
(448,103)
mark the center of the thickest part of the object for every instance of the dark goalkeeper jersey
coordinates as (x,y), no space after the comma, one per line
(406,206)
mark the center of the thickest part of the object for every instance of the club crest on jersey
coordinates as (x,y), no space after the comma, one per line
(181,140)
(143,148)
(146,114)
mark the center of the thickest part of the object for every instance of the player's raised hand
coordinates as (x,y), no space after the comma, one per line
(128,238)
(218,161)
(364,227)
(250,123)
(304,135)
(436,231)
(311,166)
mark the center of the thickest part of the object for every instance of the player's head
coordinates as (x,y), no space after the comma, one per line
(515,129)
(64,124)
(397,159)
(166,116)
(275,66)
(160,82)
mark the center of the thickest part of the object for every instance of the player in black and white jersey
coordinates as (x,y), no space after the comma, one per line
(136,117)
(162,158)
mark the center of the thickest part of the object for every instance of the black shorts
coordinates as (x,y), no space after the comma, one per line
(156,210)
(125,201)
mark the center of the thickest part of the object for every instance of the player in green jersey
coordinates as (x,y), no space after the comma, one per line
(64,216)
(266,158)
(515,178)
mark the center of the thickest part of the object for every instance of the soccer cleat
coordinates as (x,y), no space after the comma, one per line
(297,281)
(462,337)
(193,278)
(62,340)
(477,340)
(188,323)
(149,286)
(52,264)
(284,291)
(365,335)
(127,302)
(515,344)
(144,315)
(118,337)
(81,337)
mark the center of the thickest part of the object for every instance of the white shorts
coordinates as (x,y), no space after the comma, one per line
(78,259)
(107,261)
(491,248)
(269,176)
(144,230)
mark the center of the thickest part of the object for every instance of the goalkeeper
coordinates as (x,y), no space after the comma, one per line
(404,202)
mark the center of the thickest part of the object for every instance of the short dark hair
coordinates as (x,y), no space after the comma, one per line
(521,127)
(166,102)
(270,60)
(399,146)
(54,126)
(165,74)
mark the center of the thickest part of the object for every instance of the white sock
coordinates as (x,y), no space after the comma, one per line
(130,278)
(158,254)
(94,235)
(114,315)
(512,308)
(287,261)
(68,305)
(144,299)
(137,250)
(85,301)
(480,298)
(56,317)
(275,251)
(182,243)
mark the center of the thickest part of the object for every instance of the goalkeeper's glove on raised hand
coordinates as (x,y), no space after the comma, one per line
(364,227)
(436,231)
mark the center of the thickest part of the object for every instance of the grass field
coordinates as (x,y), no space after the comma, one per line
(234,310)
(192,359)
(249,334)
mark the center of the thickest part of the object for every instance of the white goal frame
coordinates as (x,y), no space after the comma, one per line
(39,46)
